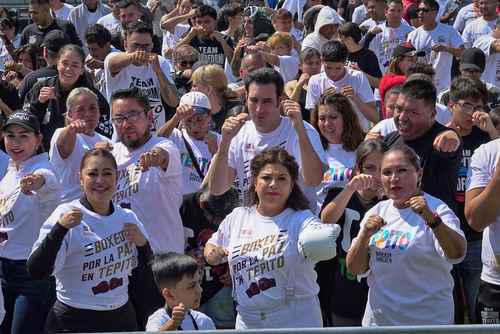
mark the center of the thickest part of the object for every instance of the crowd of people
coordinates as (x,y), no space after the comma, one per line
(202,164)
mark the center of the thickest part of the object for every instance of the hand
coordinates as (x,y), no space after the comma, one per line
(178,314)
(78,126)
(46,94)
(418,204)
(104,145)
(292,110)
(347,91)
(303,79)
(244,42)
(354,66)
(447,141)
(232,125)
(371,226)
(439,48)
(183,112)
(197,30)
(263,46)
(252,49)
(71,218)
(217,35)
(331,90)
(154,158)
(134,234)
(187,73)
(31,183)
(94,64)
(483,121)
(218,255)
(375,30)
(361,182)
(373,135)
(139,57)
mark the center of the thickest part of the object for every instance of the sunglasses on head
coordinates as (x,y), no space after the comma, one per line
(425,10)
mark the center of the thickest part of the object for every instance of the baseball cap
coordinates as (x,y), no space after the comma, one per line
(55,40)
(197,100)
(473,59)
(406,49)
(24,119)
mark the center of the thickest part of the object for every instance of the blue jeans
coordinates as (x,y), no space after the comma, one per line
(469,271)
(27,301)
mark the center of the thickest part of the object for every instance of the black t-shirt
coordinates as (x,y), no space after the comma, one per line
(228,109)
(194,219)
(440,168)
(33,35)
(340,291)
(367,62)
(211,51)
(33,77)
(8,95)
(470,143)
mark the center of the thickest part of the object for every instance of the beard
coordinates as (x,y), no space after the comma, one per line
(133,144)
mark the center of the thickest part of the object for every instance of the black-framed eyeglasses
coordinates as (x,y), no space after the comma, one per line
(470,108)
(131,117)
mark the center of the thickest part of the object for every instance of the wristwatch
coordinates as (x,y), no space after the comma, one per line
(435,222)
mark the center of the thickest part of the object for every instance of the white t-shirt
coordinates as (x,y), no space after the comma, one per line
(388,125)
(4,163)
(160,317)
(464,16)
(63,12)
(477,28)
(491,72)
(68,169)
(190,177)
(340,166)
(384,43)
(409,277)
(92,17)
(155,195)
(359,14)
(288,67)
(142,77)
(21,215)
(482,167)
(93,265)
(318,83)
(249,142)
(170,40)
(262,253)
(111,23)
(424,40)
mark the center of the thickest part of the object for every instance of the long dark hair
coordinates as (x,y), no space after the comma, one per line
(277,155)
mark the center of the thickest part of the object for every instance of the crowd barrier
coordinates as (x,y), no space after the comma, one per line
(462,329)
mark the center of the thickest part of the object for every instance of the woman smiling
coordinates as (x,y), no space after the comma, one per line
(408,243)
(270,259)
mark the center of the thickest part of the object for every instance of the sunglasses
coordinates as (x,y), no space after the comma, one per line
(425,10)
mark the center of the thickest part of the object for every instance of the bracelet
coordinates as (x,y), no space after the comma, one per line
(436,223)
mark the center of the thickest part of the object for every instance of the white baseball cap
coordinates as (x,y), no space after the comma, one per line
(198,101)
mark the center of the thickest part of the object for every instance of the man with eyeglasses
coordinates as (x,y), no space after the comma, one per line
(472,65)
(473,124)
(149,171)
(139,67)
(439,41)
(438,147)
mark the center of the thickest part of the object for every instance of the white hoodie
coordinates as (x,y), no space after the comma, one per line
(326,15)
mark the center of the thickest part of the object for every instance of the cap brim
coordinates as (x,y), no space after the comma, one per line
(201,110)
(19,123)
(470,67)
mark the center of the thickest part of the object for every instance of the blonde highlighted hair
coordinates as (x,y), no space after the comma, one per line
(213,76)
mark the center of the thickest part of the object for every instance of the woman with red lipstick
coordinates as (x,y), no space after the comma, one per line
(29,192)
(97,251)
(347,207)
(274,284)
(407,245)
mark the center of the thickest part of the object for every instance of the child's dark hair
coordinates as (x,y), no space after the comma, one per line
(169,268)
(495,116)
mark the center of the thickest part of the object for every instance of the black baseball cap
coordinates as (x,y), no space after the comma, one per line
(23,119)
(54,40)
(473,59)
(406,49)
